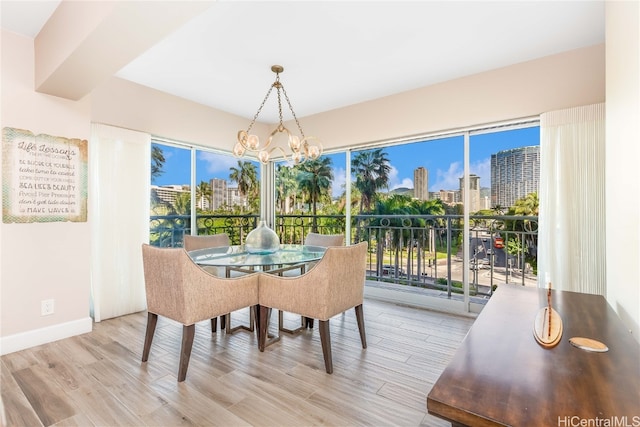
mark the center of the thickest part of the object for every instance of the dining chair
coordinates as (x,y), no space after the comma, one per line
(334,285)
(192,243)
(312,239)
(324,240)
(219,240)
(180,290)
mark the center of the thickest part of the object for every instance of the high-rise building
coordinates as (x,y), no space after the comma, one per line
(234,198)
(169,193)
(218,193)
(421,183)
(514,174)
(474,192)
(447,196)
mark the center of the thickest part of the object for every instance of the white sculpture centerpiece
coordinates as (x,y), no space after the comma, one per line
(262,240)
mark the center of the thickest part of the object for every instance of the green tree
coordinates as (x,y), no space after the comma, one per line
(246,176)
(372,170)
(314,178)
(203,192)
(528,205)
(182,204)
(524,238)
(286,188)
(391,234)
(157,162)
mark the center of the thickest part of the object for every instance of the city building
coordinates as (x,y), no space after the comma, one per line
(514,174)
(169,193)
(234,198)
(421,183)
(219,196)
(449,197)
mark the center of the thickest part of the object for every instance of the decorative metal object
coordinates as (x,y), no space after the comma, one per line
(262,240)
(547,327)
(300,146)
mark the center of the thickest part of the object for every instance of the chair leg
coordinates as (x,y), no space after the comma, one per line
(325,339)
(263,325)
(188,332)
(360,319)
(152,320)
(214,325)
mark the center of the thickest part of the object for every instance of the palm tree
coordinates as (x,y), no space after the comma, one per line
(203,192)
(182,204)
(157,161)
(390,232)
(286,187)
(527,242)
(315,179)
(372,170)
(246,176)
(528,205)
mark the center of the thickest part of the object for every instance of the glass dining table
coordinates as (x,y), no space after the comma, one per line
(236,258)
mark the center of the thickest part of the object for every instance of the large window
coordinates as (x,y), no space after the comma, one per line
(196,191)
(451,215)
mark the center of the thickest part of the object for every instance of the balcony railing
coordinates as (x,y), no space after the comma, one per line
(426,251)
(421,251)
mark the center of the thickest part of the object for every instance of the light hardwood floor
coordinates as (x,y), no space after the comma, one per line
(97,379)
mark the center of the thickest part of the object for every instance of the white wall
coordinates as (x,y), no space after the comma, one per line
(622,155)
(41,260)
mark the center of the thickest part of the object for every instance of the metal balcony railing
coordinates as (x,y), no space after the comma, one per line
(421,251)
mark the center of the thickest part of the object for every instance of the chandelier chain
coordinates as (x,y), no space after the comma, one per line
(292,112)
(279,105)
(255,117)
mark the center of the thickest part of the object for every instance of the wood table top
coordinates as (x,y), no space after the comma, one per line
(500,375)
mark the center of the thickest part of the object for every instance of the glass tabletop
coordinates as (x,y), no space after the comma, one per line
(237,256)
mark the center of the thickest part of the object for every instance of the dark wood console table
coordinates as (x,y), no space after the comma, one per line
(501,376)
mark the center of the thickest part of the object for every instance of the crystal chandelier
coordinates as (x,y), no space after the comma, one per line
(301,147)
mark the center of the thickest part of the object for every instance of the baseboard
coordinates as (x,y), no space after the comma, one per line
(413,299)
(21,341)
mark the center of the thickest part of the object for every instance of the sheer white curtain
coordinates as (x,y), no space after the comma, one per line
(571,250)
(120,167)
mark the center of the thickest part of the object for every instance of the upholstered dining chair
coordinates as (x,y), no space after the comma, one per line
(178,289)
(312,239)
(191,243)
(324,240)
(219,240)
(334,285)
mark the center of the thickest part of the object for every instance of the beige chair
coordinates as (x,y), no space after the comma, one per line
(334,285)
(312,239)
(191,243)
(220,240)
(324,240)
(180,290)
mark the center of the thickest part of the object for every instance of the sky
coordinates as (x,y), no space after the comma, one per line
(442,158)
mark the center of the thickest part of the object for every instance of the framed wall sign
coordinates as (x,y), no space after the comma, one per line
(44,177)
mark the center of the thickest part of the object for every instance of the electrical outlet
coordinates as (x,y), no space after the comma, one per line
(46,307)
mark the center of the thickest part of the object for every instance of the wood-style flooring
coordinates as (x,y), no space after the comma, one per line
(98,379)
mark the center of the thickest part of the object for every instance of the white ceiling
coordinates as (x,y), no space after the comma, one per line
(337,53)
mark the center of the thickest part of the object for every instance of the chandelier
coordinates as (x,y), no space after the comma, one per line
(301,148)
